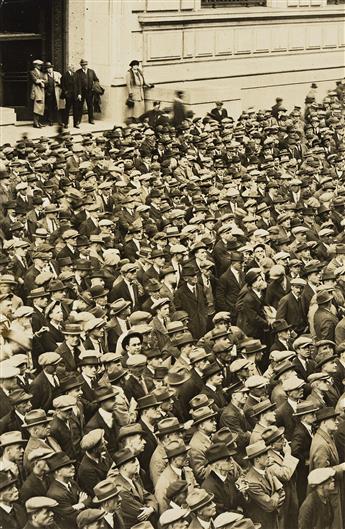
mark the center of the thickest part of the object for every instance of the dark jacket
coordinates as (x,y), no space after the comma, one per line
(290,309)
(284,417)
(195,306)
(90,472)
(16,519)
(64,513)
(84,82)
(251,316)
(325,323)
(110,434)
(314,513)
(227,291)
(226,496)
(33,486)
(43,392)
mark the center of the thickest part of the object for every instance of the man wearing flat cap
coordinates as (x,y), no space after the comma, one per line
(96,461)
(317,511)
(40,512)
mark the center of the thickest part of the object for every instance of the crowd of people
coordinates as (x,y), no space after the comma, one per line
(172,323)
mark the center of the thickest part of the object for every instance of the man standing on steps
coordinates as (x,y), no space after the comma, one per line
(68,92)
(84,79)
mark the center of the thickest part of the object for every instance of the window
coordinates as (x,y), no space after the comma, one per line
(234,3)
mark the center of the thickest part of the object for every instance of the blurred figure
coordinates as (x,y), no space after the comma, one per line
(37,94)
(68,93)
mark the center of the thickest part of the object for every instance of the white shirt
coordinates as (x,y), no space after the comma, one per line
(109,517)
(236,274)
(131,291)
(88,380)
(205,525)
(7,508)
(107,417)
(53,379)
(303,362)
(308,428)
(221,477)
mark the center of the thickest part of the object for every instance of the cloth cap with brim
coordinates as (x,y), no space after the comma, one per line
(255,449)
(302,341)
(225,520)
(105,490)
(92,439)
(88,517)
(292,383)
(171,516)
(256,381)
(262,407)
(37,503)
(35,417)
(60,460)
(320,475)
(326,413)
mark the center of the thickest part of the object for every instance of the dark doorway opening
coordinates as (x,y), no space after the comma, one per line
(29,30)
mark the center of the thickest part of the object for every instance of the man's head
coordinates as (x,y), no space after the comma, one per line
(8,490)
(40,511)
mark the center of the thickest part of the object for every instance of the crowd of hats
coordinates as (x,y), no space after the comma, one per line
(128,265)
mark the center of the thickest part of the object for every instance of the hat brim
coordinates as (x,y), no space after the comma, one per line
(202,503)
(8,484)
(206,418)
(112,495)
(65,464)
(263,451)
(298,414)
(48,419)
(172,430)
(331,416)
(271,407)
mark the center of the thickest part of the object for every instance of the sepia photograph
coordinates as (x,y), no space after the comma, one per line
(172,264)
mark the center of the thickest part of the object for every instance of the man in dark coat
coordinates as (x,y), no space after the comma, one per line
(12,514)
(325,320)
(229,285)
(13,421)
(219,113)
(68,92)
(37,482)
(45,385)
(290,306)
(251,316)
(220,482)
(104,417)
(96,461)
(317,511)
(190,297)
(127,287)
(84,80)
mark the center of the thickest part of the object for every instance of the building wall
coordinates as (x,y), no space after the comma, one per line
(244,56)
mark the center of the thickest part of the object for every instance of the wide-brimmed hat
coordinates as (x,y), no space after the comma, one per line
(218,451)
(262,407)
(280,325)
(272,433)
(129,430)
(303,408)
(326,413)
(255,449)
(198,498)
(167,426)
(104,393)
(175,448)
(5,480)
(177,376)
(60,460)
(104,490)
(35,417)
(148,401)
(202,414)
(123,456)
(11,438)
(251,346)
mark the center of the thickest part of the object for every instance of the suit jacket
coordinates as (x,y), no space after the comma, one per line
(221,257)
(199,443)
(195,306)
(11,422)
(275,292)
(84,83)
(285,418)
(226,496)
(145,456)
(33,486)
(251,317)
(68,85)
(261,507)
(65,515)
(133,500)
(5,404)
(300,448)
(325,323)
(219,114)
(63,435)
(291,310)
(43,392)
(90,472)
(120,290)
(227,291)
(232,418)
(167,477)
(67,356)
(314,513)
(157,463)
(35,442)
(110,434)
(217,396)
(16,519)
(306,298)
(301,371)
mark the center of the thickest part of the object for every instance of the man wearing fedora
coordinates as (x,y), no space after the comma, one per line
(168,430)
(136,502)
(202,507)
(65,491)
(107,497)
(36,423)
(177,468)
(230,284)
(281,331)
(265,492)
(12,513)
(325,321)
(104,417)
(220,481)
(14,419)
(204,421)
(46,384)
(84,80)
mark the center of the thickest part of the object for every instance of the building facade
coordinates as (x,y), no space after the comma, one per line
(244,52)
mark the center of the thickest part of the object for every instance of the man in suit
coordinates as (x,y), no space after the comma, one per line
(60,425)
(177,468)
(127,287)
(221,479)
(233,416)
(37,482)
(37,424)
(317,510)
(71,500)
(84,79)
(325,321)
(68,92)
(266,493)
(12,514)
(107,497)
(213,378)
(304,365)
(40,510)
(202,507)
(8,383)
(135,500)
(230,284)
(205,423)
(281,331)
(293,388)
(300,444)
(104,417)
(149,413)
(278,287)
(45,385)
(191,298)
(324,453)
(96,461)
(219,113)
(14,419)
(251,316)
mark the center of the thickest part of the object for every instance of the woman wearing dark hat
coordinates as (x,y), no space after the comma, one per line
(136,84)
